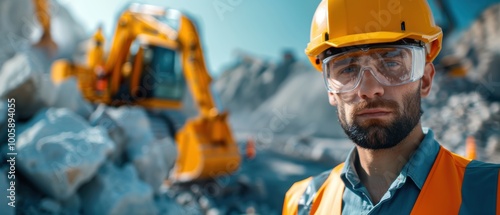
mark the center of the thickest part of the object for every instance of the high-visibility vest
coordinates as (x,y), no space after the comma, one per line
(454,185)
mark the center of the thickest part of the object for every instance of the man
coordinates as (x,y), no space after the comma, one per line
(376,57)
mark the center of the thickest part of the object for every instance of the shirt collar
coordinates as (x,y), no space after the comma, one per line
(417,168)
(423,158)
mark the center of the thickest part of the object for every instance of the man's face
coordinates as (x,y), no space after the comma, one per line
(378,117)
(386,130)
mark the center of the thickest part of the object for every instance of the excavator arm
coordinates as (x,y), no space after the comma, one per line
(214,152)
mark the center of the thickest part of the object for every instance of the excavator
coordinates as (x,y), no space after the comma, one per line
(154,58)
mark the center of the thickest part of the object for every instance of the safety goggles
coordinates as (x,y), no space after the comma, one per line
(391,65)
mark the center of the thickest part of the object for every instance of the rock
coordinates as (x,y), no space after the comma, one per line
(139,132)
(23,80)
(69,96)
(116,191)
(152,158)
(100,118)
(32,201)
(154,161)
(462,115)
(58,151)
(17,27)
(168,206)
(21,29)
(18,79)
(479,50)
(50,206)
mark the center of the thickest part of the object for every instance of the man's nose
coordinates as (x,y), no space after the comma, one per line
(369,87)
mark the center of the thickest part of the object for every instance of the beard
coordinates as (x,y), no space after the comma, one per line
(375,134)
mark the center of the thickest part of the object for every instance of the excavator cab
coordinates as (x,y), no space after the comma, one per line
(162,74)
(156,79)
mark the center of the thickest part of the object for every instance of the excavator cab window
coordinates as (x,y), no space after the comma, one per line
(162,76)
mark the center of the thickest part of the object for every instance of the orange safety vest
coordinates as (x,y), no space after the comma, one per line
(455,185)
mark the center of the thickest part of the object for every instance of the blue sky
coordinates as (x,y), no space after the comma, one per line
(260,27)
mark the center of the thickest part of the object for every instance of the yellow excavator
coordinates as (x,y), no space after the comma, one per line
(155,56)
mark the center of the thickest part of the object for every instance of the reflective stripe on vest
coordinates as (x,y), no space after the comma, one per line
(468,188)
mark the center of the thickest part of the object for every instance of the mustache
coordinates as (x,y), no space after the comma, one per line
(379,103)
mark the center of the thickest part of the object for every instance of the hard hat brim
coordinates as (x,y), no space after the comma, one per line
(314,48)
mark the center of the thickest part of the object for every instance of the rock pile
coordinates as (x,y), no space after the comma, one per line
(68,166)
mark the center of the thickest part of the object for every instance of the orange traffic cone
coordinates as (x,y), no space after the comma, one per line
(470,148)
(250,151)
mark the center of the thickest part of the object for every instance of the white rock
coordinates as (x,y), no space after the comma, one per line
(16,27)
(152,158)
(18,80)
(20,29)
(67,95)
(58,151)
(100,118)
(135,123)
(155,161)
(23,80)
(117,191)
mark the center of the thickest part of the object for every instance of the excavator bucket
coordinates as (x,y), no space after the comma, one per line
(201,156)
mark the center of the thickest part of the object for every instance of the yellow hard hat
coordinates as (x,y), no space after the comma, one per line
(342,23)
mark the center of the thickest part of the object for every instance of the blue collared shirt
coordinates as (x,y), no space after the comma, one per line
(403,191)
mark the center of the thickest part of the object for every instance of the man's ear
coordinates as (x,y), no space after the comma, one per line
(426,81)
(332,99)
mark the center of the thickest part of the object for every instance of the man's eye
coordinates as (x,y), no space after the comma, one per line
(391,64)
(349,69)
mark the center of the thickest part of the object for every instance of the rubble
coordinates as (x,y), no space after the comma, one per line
(19,80)
(168,206)
(463,115)
(469,106)
(33,90)
(155,161)
(67,95)
(59,151)
(117,191)
(16,27)
(138,132)
(479,49)
(152,158)
(100,118)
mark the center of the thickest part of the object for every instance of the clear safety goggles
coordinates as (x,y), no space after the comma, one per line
(391,65)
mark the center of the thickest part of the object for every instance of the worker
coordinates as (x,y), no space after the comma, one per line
(376,59)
